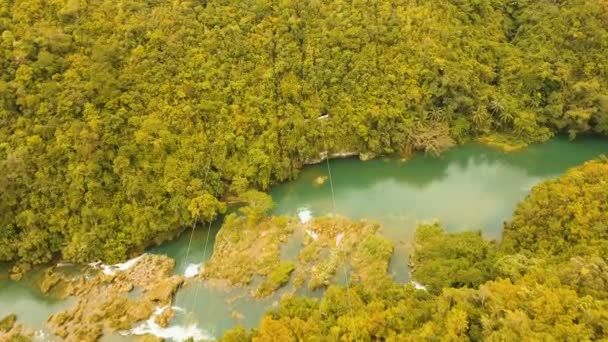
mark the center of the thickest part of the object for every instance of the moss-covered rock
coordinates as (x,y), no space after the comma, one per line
(164,289)
(320,180)
(49,280)
(330,244)
(103,301)
(7,323)
(276,279)
(243,250)
(16,337)
(503,142)
(249,245)
(237,315)
(365,156)
(150,338)
(19,270)
(164,318)
(11,331)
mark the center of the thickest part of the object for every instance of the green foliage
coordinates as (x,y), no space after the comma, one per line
(206,207)
(539,311)
(553,287)
(7,323)
(276,278)
(503,142)
(370,261)
(243,249)
(563,217)
(323,272)
(118,123)
(258,204)
(238,334)
(332,243)
(451,260)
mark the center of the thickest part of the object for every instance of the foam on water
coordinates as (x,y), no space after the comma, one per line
(112,269)
(304,214)
(173,333)
(40,335)
(192,270)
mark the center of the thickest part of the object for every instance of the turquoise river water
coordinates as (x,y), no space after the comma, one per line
(470,187)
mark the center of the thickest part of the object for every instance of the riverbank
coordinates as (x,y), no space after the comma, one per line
(395,194)
(501,142)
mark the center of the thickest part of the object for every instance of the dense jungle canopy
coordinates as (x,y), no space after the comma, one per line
(123,121)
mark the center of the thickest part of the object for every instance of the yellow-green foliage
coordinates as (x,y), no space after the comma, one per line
(103,302)
(564,217)
(7,323)
(238,334)
(277,278)
(323,270)
(242,250)
(330,244)
(309,253)
(370,261)
(250,244)
(451,260)
(545,284)
(503,142)
(122,122)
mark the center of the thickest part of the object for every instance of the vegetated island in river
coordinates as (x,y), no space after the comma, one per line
(246,247)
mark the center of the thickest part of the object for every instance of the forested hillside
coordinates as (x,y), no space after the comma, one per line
(540,284)
(123,121)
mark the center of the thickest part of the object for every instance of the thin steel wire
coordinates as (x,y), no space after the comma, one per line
(335,213)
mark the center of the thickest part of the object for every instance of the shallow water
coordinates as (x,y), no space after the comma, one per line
(24,299)
(470,187)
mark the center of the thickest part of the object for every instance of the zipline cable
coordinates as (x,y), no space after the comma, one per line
(204,255)
(196,217)
(331,182)
(333,199)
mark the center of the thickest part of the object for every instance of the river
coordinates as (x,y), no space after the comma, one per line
(470,187)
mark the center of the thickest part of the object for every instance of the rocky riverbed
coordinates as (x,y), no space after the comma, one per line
(114,299)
